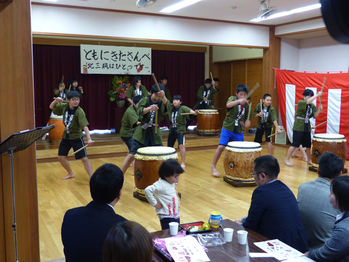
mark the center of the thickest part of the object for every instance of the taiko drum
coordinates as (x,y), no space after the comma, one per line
(238,160)
(57,132)
(208,122)
(147,163)
(335,143)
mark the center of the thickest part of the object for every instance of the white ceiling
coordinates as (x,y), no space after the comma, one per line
(207,9)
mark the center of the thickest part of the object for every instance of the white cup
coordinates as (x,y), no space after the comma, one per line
(173,228)
(242,237)
(228,234)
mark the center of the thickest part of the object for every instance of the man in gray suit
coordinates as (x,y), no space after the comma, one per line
(317,213)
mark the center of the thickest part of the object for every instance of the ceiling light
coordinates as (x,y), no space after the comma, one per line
(178,6)
(145,3)
(286,13)
(50,0)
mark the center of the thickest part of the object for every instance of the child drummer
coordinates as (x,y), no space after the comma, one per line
(145,134)
(266,118)
(178,129)
(75,121)
(238,114)
(301,128)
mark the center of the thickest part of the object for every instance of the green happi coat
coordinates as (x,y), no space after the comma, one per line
(129,121)
(229,121)
(181,120)
(271,116)
(78,123)
(131,92)
(299,124)
(200,95)
(140,133)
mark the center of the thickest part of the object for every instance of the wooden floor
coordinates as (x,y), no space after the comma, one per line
(201,192)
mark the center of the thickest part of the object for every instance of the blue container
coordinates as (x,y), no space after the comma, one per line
(215,219)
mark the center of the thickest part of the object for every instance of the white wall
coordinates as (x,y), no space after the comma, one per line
(74,21)
(299,27)
(319,54)
(323,54)
(289,57)
(227,53)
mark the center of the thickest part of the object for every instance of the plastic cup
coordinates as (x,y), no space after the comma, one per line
(242,237)
(173,228)
(228,234)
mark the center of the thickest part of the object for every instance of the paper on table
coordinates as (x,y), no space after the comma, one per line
(255,254)
(278,249)
(184,248)
(299,259)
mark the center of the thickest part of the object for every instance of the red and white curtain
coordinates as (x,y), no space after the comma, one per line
(335,100)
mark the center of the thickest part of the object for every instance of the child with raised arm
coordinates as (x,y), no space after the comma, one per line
(75,121)
(137,89)
(145,134)
(129,121)
(301,128)
(163,195)
(266,118)
(59,91)
(177,129)
(237,115)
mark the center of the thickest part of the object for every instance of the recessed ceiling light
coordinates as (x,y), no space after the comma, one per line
(178,6)
(234,7)
(286,13)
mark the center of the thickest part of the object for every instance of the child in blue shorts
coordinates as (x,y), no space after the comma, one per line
(237,115)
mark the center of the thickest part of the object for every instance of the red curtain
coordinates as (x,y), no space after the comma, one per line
(185,72)
(335,99)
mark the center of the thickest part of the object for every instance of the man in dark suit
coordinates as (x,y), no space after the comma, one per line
(84,229)
(274,210)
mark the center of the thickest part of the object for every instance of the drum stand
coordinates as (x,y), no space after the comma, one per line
(239,183)
(14,143)
(314,169)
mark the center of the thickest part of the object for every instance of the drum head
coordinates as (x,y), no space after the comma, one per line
(156,152)
(53,116)
(208,111)
(329,136)
(243,144)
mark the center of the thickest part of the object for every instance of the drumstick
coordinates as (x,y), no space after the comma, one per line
(273,134)
(261,105)
(211,75)
(249,111)
(322,88)
(253,89)
(64,101)
(185,114)
(156,112)
(79,149)
(320,124)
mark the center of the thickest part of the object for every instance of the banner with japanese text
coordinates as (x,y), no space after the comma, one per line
(335,100)
(113,60)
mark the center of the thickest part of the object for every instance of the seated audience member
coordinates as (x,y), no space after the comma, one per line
(84,229)
(337,247)
(274,211)
(317,213)
(128,242)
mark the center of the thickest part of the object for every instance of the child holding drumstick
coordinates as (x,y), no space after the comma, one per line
(162,194)
(75,121)
(177,129)
(266,118)
(301,129)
